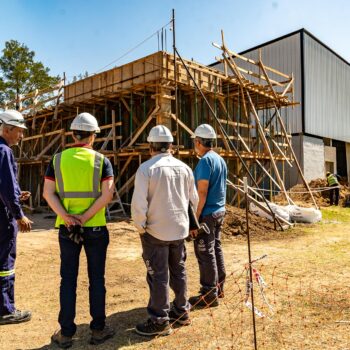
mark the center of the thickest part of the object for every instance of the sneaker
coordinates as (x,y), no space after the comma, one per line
(151,328)
(16,317)
(221,295)
(61,340)
(183,320)
(99,337)
(201,301)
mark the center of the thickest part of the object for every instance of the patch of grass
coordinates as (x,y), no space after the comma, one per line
(336,214)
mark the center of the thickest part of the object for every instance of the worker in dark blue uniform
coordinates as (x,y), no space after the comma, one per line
(12,218)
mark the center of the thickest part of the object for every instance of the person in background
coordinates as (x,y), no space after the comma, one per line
(333,182)
(164,187)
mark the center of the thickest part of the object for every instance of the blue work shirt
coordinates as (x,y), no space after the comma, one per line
(213,168)
(10,192)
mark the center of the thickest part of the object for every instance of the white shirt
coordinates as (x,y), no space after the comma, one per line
(163,188)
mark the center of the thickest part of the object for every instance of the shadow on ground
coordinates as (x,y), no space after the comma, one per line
(122,322)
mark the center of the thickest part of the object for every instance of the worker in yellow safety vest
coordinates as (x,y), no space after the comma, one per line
(333,182)
(78,186)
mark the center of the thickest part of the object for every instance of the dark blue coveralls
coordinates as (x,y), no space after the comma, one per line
(10,211)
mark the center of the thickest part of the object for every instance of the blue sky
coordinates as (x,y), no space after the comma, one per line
(75,36)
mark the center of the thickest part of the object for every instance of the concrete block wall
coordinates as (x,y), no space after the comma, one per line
(314,158)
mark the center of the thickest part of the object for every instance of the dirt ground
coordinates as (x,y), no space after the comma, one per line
(306,271)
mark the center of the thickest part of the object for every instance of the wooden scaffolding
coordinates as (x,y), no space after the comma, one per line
(246,103)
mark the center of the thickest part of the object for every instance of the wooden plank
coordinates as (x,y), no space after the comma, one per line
(241,125)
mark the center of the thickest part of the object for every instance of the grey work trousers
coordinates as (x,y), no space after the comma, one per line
(165,263)
(210,256)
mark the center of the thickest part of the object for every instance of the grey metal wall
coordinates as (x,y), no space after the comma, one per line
(327,92)
(285,56)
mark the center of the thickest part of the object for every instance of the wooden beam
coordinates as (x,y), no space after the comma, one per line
(128,183)
(48,146)
(143,126)
(125,166)
(182,124)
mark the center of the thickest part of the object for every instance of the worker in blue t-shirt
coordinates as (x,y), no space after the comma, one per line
(210,177)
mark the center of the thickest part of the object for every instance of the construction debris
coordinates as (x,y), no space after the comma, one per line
(301,196)
(235,223)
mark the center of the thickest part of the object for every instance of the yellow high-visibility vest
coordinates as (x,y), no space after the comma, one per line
(78,172)
(332,180)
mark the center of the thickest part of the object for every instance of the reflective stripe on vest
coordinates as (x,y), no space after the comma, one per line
(71,194)
(332,180)
(7,273)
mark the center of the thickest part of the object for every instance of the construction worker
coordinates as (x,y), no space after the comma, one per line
(333,182)
(78,186)
(210,175)
(12,126)
(164,186)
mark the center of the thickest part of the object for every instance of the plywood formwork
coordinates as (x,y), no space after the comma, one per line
(128,100)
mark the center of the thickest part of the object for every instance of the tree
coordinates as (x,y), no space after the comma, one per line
(20,74)
(80,76)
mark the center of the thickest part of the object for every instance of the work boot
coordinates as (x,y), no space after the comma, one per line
(183,320)
(16,317)
(201,301)
(150,328)
(100,336)
(61,340)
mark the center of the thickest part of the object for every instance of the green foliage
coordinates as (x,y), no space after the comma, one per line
(20,74)
(80,76)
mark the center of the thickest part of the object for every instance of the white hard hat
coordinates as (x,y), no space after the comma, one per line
(160,133)
(205,131)
(85,122)
(14,118)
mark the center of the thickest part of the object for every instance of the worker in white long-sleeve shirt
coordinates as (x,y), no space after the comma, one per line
(164,186)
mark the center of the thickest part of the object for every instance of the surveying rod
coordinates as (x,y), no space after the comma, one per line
(245,186)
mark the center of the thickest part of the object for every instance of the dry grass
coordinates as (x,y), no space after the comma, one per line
(306,271)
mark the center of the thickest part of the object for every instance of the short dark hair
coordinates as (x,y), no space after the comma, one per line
(160,146)
(209,143)
(81,135)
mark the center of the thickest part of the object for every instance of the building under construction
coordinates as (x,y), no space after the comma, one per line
(246,102)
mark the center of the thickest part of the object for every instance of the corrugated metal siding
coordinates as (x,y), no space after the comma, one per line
(327,92)
(285,56)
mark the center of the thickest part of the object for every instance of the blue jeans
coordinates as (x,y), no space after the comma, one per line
(210,256)
(95,245)
(165,263)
